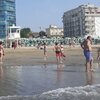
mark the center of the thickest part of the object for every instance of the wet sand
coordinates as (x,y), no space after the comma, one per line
(33,56)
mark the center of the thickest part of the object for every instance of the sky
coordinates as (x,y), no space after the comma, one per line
(34,14)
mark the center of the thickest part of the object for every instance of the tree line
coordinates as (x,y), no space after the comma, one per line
(26,33)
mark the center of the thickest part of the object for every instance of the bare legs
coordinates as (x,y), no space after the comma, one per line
(59,59)
(1,57)
(45,57)
(89,65)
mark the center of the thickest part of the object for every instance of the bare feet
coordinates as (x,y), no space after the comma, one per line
(1,62)
(92,70)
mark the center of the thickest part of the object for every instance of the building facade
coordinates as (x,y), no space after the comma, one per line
(54,31)
(14,32)
(7,16)
(81,21)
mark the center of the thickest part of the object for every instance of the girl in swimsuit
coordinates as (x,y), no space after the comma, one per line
(62,51)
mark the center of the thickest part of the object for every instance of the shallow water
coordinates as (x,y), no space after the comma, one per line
(32,80)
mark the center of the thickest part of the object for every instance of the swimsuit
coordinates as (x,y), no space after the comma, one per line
(58,51)
(88,55)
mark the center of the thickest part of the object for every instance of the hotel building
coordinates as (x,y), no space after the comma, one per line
(54,31)
(81,21)
(7,16)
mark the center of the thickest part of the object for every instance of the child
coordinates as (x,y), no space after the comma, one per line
(62,51)
(1,52)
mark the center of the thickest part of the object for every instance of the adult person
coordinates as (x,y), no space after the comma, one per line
(57,50)
(87,49)
(45,51)
(1,52)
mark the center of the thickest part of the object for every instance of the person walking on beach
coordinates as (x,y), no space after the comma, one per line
(45,51)
(62,51)
(1,52)
(14,44)
(87,49)
(57,50)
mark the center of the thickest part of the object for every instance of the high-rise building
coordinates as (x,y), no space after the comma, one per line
(81,21)
(7,16)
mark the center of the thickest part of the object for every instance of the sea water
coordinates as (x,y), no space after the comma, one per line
(63,82)
(75,93)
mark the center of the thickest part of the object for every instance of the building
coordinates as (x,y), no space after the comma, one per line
(13,32)
(82,21)
(54,31)
(7,16)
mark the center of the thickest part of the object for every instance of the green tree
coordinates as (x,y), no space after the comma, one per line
(42,33)
(24,32)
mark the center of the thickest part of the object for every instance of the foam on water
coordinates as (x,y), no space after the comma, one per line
(70,93)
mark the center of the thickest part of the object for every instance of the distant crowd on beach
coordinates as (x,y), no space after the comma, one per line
(58,48)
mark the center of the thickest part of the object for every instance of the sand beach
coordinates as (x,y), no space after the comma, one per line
(33,56)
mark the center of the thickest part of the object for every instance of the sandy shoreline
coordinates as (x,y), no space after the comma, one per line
(32,56)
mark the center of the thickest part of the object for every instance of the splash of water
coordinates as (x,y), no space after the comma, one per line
(70,93)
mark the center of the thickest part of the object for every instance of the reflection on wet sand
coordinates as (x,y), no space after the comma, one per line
(1,72)
(60,68)
(89,78)
(90,74)
(45,66)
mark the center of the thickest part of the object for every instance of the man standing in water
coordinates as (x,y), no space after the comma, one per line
(87,48)
(45,51)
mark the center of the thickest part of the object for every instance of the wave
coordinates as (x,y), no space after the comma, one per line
(71,93)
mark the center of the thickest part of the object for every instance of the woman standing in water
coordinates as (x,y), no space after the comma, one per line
(1,52)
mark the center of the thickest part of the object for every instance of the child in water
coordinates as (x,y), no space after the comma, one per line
(62,51)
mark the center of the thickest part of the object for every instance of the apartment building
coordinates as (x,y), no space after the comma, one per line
(7,16)
(82,21)
(54,31)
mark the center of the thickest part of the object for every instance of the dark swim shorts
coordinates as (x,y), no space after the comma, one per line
(88,55)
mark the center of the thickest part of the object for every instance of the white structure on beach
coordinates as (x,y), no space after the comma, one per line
(54,31)
(81,21)
(14,32)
